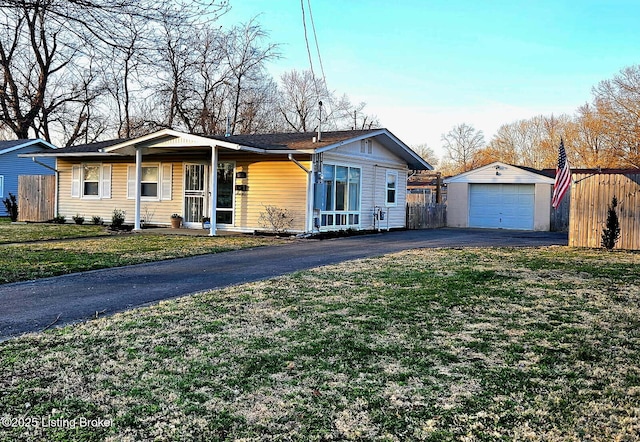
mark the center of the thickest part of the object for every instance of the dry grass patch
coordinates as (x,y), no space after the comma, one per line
(477,344)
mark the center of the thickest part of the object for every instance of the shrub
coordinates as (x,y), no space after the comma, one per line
(59,219)
(96,220)
(275,218)
(78,219)
(11,204)
(117,219)
(611,233)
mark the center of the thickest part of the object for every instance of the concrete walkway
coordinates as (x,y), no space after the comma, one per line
(34,305)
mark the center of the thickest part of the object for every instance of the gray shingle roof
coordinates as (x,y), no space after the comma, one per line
(293,140)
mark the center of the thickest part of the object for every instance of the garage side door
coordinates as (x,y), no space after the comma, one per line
(502,206)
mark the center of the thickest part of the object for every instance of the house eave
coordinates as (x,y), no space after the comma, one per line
(29,143)
(389,141)
(68,154)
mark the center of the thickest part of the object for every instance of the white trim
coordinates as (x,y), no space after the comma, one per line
(76,173)
(232,209)
(27,144)
(466,177)
(352,140)
(131,182)
(104,181)
(346,212)
(387,174)
(166,181)
(149,140)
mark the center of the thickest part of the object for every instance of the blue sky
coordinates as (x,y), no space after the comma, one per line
(424,66)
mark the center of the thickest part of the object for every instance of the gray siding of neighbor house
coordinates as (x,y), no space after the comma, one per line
(11,167)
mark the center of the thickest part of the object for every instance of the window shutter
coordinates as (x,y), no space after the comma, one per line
(105,181)
(131,181)
(76,172)
(166,182)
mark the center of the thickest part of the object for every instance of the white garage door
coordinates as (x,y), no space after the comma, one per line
(501,206)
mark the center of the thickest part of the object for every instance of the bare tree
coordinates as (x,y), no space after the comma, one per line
(426,153)
(49,51)
(461,144)
(618,104)
(299,97)
(246,57)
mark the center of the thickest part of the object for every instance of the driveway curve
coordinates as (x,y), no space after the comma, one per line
(35,305)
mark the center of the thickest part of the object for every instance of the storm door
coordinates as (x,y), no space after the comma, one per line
(195,194)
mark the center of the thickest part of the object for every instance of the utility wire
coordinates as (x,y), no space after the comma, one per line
(324,77)
(306,40)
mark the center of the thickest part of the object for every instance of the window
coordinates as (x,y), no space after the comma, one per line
(91,181)
(1,186)
(392,188)
(338,197)
(155,182)
(149,181)
(366,146)
(225,189)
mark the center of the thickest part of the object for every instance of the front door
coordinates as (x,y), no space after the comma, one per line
(195,194)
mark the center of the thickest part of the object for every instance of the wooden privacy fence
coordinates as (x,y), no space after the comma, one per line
(591,196)
(36,197)
(426,216)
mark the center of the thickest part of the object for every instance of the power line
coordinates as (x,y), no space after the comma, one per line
(324,77)
(306,40)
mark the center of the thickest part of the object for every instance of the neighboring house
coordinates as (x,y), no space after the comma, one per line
(500,196)
(11,165)
(346,180)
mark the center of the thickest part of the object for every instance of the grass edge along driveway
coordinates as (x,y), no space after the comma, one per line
(21,262)
(432,344)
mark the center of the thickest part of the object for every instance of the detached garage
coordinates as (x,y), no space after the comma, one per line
(500,196)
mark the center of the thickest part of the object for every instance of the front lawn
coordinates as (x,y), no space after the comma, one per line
(17,233)
(39,260)
(434,344)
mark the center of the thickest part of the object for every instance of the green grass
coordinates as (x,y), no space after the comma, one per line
(477,344)
(17,233)
(22,262)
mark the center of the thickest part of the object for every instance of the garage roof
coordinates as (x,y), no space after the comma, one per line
(502,173)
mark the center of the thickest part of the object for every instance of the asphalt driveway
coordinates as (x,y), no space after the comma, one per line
(34,305)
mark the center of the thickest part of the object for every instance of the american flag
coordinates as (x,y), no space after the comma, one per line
(563,177)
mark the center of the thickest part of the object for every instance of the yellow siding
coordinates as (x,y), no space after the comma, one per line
(279,183)
(276,183)
(160,211)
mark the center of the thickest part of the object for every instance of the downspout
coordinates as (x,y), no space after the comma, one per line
(309,210)
(57,174)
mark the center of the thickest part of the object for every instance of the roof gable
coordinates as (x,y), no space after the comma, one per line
(7,146)
(498,172)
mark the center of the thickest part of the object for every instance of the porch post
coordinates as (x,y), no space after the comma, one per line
(214,190)
(138,187)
